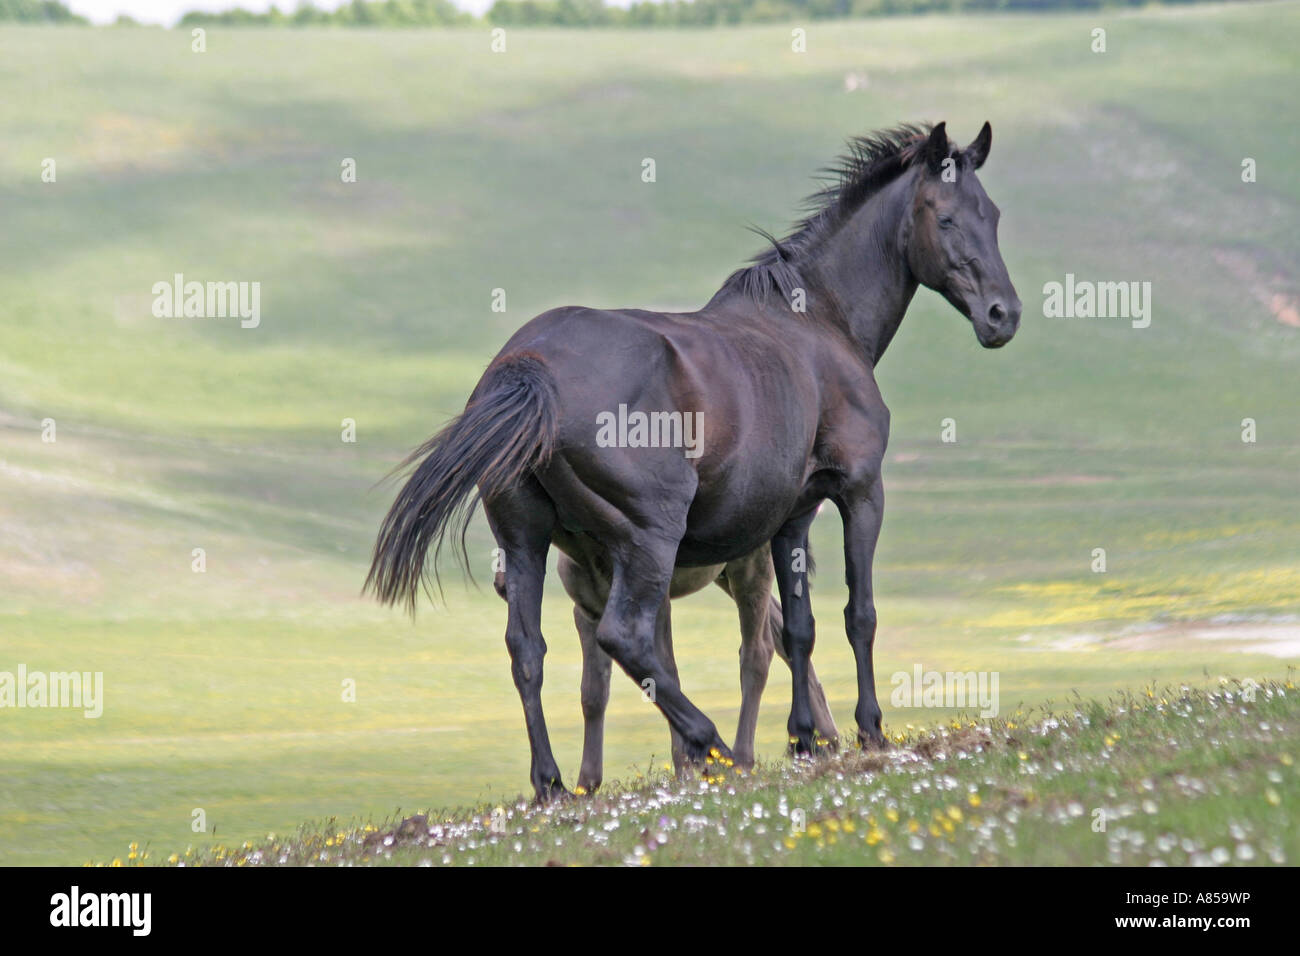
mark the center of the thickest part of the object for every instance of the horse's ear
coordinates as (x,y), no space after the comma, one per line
(978,150)
(936,148)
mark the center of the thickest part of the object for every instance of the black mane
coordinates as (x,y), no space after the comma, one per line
(869,163)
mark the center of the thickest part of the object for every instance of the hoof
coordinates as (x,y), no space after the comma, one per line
(811,745)
(715,761)
(551,792)
(701,752)
(873,740)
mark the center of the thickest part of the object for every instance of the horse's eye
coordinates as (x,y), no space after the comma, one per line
(945,221)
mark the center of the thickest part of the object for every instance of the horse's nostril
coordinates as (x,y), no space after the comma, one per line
(996,312)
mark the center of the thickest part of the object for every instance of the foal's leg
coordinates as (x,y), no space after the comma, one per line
(584,582)
(664,648)
(862,516)
(643,568)
(789,558)
(748,581)
(595,698)
(521,520)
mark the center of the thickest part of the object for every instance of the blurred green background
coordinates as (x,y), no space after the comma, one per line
(522,171)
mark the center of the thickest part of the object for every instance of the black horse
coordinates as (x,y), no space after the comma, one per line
(759,406)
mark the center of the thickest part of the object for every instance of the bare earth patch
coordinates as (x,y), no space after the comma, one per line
(1276,638)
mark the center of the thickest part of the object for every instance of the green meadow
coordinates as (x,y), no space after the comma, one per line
(1128,781)
(227,691)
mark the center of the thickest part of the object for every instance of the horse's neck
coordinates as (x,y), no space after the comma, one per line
(863,268)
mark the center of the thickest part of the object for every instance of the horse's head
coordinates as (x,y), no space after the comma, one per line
(952,244)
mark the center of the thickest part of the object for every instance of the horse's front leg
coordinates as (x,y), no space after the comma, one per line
(862,515)
(790,560)
(822,718)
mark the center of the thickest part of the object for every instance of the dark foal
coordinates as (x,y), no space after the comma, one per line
(775,375)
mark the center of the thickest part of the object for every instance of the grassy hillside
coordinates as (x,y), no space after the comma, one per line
(521,171)
(1126,782)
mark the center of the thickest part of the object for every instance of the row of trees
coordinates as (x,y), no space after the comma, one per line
(358,13)
(566,13)
(691,13)
(641,13)
(38,11)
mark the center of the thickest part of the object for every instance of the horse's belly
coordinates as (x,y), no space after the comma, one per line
(698,554)
(716,535)
(728,523)
(695,578)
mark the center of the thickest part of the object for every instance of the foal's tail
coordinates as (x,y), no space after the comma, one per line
(507,430)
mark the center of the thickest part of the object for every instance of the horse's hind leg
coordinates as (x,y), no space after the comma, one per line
(643,568)
(595,693)
(522,520)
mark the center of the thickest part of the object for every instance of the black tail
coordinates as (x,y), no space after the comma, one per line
(507,430)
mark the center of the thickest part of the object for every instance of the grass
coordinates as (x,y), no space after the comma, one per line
(522,171)
(1128,781)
